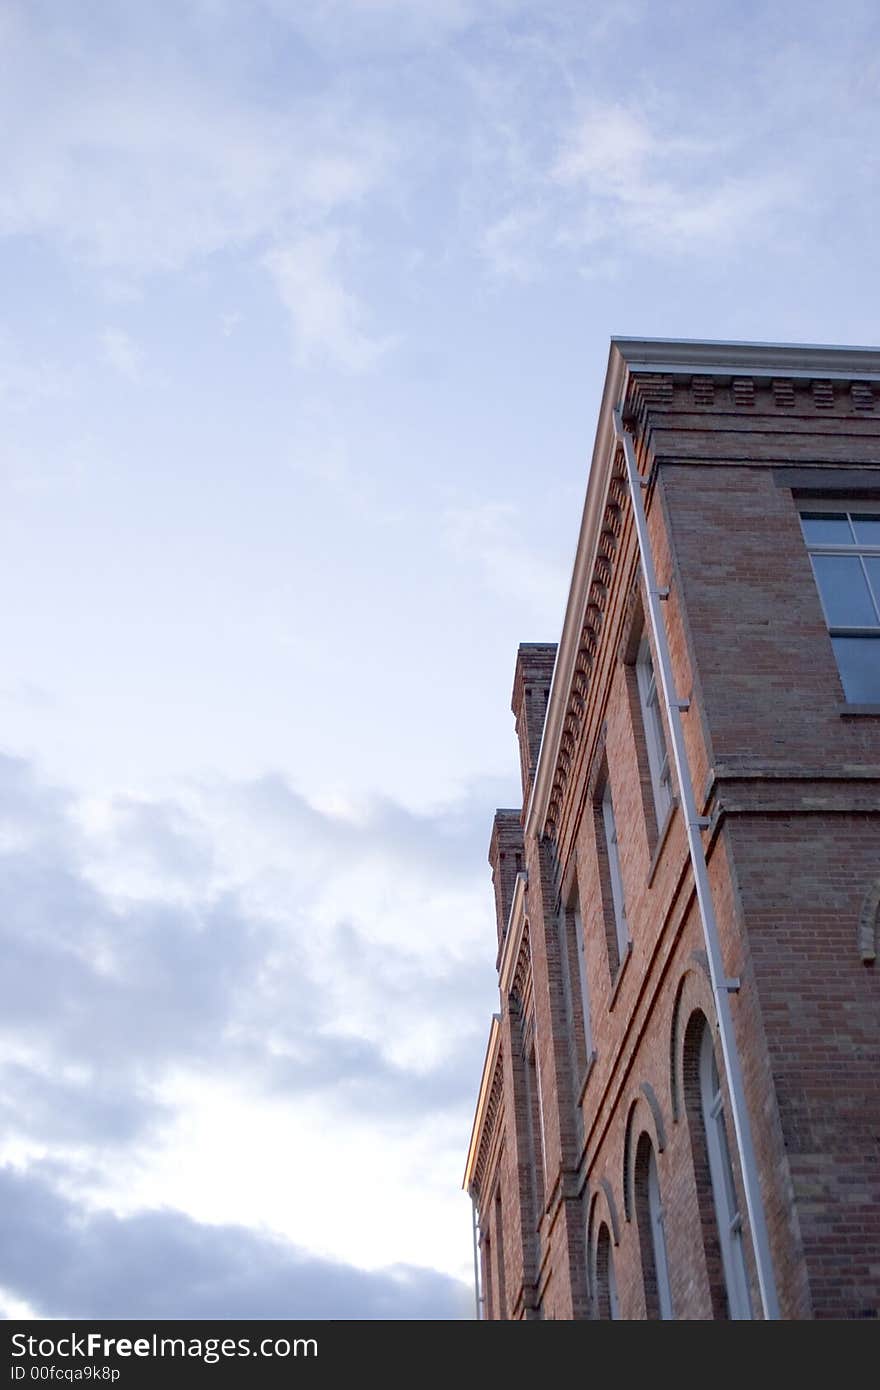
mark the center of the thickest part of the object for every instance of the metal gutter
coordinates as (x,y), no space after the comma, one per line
(694,823)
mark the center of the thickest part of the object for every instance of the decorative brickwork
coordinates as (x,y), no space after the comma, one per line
(744,392)
(783,394)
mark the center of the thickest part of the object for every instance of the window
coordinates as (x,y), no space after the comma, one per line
(724,1196)
(574,909)
(658,1239)
(844,548)
(605,1283)
(655,738)
(487,1278)
(535,1131)
(572,952)
(499,1254)
(652,1236)
(617,944)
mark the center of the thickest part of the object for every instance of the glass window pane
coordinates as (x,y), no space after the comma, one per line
(858,660)
(844,591)
(827,528)
(867,528)
(872,565)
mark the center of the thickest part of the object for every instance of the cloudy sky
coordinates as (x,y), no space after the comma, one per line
(304,314)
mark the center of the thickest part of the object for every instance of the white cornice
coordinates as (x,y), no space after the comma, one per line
(483,1099)
(513,936)
(615,384)
(687,356)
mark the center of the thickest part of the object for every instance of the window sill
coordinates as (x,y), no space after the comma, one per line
(856,711)
(587,1074)
(620,973)
(661,839)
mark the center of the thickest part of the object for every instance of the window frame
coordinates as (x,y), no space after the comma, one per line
(658,1238)
(615,872)
(849,507)
(656,745)
(728,1215)
(605,1294)
(572,909)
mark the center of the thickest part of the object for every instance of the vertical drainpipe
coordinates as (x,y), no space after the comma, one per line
(478,1297)
(721,986)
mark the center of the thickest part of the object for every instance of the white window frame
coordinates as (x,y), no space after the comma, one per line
(849,507)
(658,1239)
(655,737)
(611,846)
(727,1213)
(613,1298)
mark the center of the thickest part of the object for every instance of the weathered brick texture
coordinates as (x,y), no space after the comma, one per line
(789,780)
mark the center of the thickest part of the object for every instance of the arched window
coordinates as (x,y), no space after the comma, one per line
(605,1283)
(499,1254)
(652,1236)
(727,1212)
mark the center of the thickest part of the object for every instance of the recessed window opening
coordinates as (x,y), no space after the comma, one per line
(620,941)
(727,1212)
(655,737)
(843,540)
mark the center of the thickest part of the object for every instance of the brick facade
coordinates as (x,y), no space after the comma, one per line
(593,1115)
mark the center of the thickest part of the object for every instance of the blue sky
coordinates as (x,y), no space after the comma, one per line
(304,316)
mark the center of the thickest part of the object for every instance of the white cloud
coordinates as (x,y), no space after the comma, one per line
(141,171)
(136,166)
(122,353)
(74,1261)
(606,150)
(664,192)
(336,25)
(201,994)
(26,385)
(488,537)
(509,245)
(327,319)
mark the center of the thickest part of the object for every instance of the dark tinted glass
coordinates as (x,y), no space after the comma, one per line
(872,565)
(826,528)
(867,528)
(858,660)
(844,591)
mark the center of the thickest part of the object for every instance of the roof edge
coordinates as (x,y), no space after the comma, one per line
(616,377)
(485,1087)
(707,357)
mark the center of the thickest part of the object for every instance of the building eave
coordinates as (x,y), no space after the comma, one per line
(483,1099)
(615,385)
(513,935)
(684,356)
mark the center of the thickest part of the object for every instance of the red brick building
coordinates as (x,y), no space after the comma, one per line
(679,1113)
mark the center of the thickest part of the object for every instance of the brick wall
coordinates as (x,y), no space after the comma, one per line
(790,782)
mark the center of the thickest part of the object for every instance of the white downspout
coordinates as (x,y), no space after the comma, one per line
(478,1293)
(721,986)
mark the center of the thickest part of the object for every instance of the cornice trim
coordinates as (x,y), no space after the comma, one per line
(483,1099)
(513,935)
(585,556)
(705,358)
